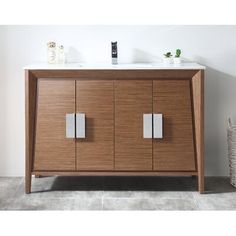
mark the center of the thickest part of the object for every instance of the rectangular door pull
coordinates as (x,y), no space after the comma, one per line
(147,125)
(70,125)
(158,125)
(80,125)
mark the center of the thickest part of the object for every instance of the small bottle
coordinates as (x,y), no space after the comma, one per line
(52,52)
(61,54)
(114,53)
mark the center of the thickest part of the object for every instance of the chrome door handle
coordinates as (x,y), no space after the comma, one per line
(80,125)
(147,125)
(70,125)
(158,126)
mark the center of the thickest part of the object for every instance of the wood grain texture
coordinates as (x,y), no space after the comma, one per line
(115,74)
(30,109)
(133,98)
(53,151)
(95,99)
(198,104)
(116,173)
(175,152)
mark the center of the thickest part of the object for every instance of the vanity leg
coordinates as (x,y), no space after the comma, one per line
(30,110)
(38,176)
(201,184)
(198,112)
(28,178)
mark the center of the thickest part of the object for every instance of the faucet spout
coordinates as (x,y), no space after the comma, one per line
(114,53)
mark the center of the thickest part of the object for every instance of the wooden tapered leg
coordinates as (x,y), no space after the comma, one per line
(37,176)
(28,183)
(201,183)
(198,105)
(30,108)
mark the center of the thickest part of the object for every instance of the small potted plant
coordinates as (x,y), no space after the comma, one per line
(177,58)
(167,58)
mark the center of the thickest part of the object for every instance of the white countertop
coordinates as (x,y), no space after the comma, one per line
(120,66)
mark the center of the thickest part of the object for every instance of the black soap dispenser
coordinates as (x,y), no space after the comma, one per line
(114,53)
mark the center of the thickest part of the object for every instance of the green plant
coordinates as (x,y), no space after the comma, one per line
(168,55)
(177,53)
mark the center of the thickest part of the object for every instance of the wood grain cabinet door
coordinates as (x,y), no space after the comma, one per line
(94,98)
(133,98)
(175,151)
(53,151)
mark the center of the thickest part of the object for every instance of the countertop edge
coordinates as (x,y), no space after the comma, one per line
(132,67)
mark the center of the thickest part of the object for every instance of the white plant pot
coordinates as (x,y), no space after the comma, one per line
(177,60)
(167,60)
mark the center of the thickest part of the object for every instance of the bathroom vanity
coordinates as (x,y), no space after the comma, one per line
(124,120)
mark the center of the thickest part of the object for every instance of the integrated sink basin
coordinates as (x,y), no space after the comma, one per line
(133,65)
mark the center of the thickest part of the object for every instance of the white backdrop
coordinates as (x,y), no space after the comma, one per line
(213,46)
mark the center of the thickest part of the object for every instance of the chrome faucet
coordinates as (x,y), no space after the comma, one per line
(114,53)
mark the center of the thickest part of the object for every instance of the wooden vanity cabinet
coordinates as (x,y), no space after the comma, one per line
(114,103)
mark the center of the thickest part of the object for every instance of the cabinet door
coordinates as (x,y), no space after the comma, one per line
(175,152)
(94,98)
(53,151)
(133,98)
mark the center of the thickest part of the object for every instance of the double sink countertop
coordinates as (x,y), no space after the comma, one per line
(120,66)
